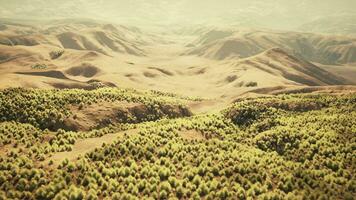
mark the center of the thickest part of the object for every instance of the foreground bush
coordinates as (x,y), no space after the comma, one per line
(304,152)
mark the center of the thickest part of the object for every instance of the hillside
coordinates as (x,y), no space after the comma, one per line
(220,62)
(241,43)
(177,100)
(278,64)
(95,110)
(343,24)
(286,146)
(76,35)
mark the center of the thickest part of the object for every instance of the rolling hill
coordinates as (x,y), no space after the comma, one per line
(196,61)
(242,43)
(93,110)
(76,35)
(344,24)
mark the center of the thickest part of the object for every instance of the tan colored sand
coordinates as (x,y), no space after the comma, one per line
(158,61)
(191,135)
(83,146)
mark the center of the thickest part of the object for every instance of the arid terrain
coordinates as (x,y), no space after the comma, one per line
(91,109)
(208,62)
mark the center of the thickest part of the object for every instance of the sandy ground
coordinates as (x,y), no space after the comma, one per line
(191,135)
(83,146)
(177,62)
(160,61)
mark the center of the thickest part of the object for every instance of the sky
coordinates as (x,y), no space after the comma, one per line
(259,13)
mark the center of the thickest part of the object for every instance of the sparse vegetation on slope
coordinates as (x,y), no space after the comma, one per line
(39,66)
(56,54)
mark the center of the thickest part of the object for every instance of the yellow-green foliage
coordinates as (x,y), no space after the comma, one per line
(49,108)
(39,66)
(284,147)
(56,54)
(17,133)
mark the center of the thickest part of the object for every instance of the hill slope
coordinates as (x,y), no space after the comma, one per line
(280,147)
(221,62)
(273,67)
(75,34)
(326,49)
(337,24)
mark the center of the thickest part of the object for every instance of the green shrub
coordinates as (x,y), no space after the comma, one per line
(39,66)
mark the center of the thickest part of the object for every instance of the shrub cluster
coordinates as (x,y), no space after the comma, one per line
(56,54)
(49,108)
(306,152)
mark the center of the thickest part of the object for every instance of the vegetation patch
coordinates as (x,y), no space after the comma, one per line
(56,54)
(50,108)
(303,152)
(39,66)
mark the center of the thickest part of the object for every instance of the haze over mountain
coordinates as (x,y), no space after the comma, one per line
(177,99)
(237,43)
(278,14)
(199,48)
(197,61)
(335,24)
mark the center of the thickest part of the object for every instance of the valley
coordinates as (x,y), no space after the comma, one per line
(185,61)
(96,110)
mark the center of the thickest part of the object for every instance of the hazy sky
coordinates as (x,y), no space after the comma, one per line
(268,13)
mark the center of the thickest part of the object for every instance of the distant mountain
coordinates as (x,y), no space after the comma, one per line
(275,14)
(339,24)
(273,67)
(278,62)
(241,43)
(75,34)
(77,53)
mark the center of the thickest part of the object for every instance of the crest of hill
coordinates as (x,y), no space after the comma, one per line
(222,44)
(277,63)
(78,35)
(338,24)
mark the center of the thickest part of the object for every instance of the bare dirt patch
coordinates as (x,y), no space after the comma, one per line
(95,115)
(102,114)
(191,135)
(83,146)
(205,106)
